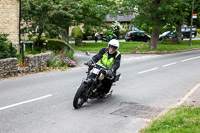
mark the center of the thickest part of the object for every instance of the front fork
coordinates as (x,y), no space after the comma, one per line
(91,84)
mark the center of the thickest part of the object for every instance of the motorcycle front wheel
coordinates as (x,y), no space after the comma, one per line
(80,96)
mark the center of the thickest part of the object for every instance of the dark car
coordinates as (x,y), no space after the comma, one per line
(186,32)
(168,34)
(137,36)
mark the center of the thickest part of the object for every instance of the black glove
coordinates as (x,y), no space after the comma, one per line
(109,72)
(90,62)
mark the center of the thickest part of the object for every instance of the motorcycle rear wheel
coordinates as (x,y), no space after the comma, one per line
(80,96)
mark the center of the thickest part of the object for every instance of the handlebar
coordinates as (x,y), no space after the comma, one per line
(95,64)
(103,69)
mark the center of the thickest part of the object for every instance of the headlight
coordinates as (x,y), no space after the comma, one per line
(101,77)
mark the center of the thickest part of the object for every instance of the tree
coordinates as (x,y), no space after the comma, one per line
(35,17)
(93,14)
(55,17)
(184,9)
(66,13)
(47,16)
(187,6)
(153,13)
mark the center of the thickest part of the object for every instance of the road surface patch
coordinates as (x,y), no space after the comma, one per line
(139,111)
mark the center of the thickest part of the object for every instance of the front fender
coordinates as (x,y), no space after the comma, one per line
(88,80)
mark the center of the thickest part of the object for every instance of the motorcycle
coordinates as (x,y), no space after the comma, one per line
(91,86)
(108,38)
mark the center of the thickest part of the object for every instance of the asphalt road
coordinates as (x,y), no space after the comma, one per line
(42,102)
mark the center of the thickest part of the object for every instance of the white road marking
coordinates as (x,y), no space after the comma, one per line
(155,68)
(125,59)
(166,65)
(170,64)
(190,59)
(24,102)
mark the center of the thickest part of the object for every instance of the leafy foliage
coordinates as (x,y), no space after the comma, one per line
(158,14)
(5,47)
(116,27)
(93,12)
(88,31)
(55,17)
(47,16)
(62,60)
(77,33)
(107,32)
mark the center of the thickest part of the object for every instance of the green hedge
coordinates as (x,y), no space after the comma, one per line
(77,33)
(57,45)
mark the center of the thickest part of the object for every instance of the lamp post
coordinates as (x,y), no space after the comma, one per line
(19,21)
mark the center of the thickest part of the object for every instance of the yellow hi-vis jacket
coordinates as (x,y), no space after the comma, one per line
(108,62)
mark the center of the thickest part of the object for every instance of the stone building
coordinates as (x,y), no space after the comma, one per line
(9,20)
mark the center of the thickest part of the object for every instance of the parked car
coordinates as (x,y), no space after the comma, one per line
(137,36)
(168,34)
(186,32)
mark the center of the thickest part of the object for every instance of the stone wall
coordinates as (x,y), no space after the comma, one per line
(8,67)
(9,20)
(34,63)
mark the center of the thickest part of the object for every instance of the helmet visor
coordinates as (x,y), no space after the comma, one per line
(111,46)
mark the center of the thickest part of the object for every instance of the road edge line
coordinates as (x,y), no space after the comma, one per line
(180,102)
(187,95)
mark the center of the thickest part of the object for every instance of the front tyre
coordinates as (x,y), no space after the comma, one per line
(80,96)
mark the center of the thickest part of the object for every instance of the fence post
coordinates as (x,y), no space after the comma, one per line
(22,52)
(11,50)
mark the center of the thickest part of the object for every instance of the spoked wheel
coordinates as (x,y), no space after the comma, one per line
(80,96)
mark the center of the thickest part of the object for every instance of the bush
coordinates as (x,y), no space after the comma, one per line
(107,32)
(57,45)
(5,47)
(88,32)
(77,34)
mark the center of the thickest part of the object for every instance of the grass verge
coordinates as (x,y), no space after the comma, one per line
(183,119)
(171,48)
(134,47)
(125,47)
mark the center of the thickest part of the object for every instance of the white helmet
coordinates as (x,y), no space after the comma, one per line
(114,43)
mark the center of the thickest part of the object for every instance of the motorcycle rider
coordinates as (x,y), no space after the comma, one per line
(110,58)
